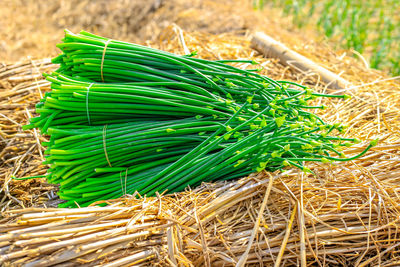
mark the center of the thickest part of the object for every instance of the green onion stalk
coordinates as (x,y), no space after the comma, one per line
(124,118)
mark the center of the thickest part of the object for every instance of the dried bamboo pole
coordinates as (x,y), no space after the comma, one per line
(272,48)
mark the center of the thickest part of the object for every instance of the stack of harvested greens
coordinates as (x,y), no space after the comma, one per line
(124,118)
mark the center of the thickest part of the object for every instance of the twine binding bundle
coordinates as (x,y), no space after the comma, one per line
(87,103)
(102,58)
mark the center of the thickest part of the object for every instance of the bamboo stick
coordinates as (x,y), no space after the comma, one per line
(272,48)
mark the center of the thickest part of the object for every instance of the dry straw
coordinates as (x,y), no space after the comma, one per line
(347,214)
(21,87)
(351,216)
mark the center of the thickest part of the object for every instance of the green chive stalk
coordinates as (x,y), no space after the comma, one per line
(124,118)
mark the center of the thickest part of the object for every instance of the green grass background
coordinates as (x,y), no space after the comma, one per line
(371,27)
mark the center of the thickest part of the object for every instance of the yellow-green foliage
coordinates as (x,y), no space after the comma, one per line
(371,27)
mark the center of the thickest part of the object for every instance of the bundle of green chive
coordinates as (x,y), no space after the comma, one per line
(125,118)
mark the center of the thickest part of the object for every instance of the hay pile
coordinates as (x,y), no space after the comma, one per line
(346,215)
(341,221)
(21,86)
(350,226)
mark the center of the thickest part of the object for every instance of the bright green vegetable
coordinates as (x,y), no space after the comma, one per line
(161,122)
